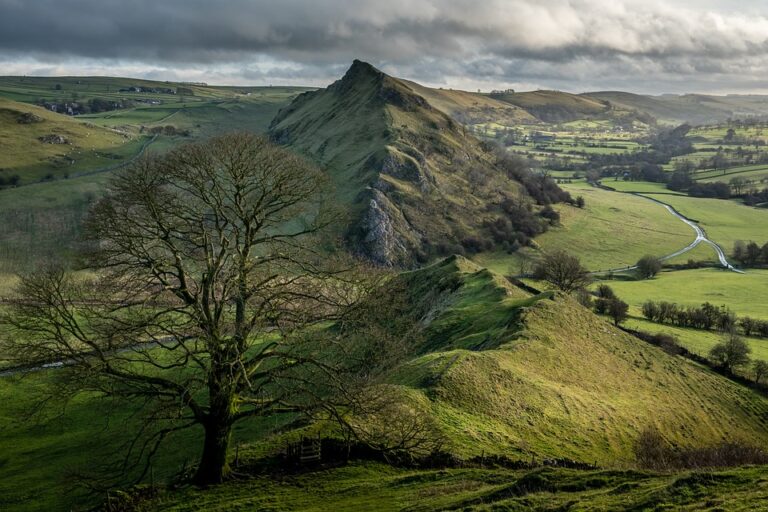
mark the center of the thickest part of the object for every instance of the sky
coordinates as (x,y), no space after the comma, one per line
(648,46)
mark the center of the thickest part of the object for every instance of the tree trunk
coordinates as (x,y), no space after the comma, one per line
(214,465)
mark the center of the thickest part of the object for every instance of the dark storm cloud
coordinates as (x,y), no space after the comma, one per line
(500,41)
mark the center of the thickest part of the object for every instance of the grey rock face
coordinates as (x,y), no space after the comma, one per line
(382,243)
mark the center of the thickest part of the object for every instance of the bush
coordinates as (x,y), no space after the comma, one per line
(731,354)
(604,291)
(648,266)
(653,452)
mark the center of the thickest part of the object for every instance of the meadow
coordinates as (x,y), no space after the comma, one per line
(723,221)
(745,294)
(376,487)
(613,230)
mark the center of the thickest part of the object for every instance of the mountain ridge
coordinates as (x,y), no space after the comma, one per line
(416,183)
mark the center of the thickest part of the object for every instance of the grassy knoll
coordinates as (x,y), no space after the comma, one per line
(613,230)
(376,487)
(746,294)
(724,221)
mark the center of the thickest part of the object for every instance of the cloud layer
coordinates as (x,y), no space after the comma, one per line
(647,46)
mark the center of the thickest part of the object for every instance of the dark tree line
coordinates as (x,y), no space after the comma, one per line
(707,316)
(749,254)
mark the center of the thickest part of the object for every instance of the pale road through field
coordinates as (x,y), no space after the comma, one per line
(701,237)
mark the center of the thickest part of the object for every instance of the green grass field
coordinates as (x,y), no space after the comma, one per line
(746,294)
(613,230)
(499,371)
(724,221)
(375,487)
(699,341)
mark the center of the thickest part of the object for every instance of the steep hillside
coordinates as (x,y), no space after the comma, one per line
(416,183)
(505,372)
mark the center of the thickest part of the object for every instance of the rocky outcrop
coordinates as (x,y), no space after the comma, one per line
(53,139)
(385,237)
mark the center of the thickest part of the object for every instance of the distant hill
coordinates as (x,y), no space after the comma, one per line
(563,107)
(473,108)
(688,108)
(416,183)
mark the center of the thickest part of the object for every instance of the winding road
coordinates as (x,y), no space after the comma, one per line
(701,237)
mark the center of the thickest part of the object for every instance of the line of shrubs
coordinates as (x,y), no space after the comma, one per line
(707,316)
(652,451)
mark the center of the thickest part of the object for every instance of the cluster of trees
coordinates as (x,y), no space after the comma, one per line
(754,198)
(707,317)
(541,187)
(681,180)
(648,266)
(607,303)
(168,130)
(514,229)
(749,254)
(519,221)
(566,273)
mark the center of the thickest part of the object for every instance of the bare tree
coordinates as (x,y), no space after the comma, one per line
(209,295)
(562,270)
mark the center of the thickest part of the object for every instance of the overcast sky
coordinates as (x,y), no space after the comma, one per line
(646,46)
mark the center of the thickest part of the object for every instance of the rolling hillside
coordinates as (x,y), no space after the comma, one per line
(695,109)
(35,142)
(497,370)
(416,183)
(470,108)
(540,376)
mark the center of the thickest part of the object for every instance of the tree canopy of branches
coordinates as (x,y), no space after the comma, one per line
(648,266)
(211,298)
(732,353)
(562,270)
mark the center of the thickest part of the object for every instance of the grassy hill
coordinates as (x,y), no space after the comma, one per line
(688,108)
(541,376)
(500,371)
(375,487)
(563,107)
(35,142)
(41,222)
(472,108)
(415,182)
